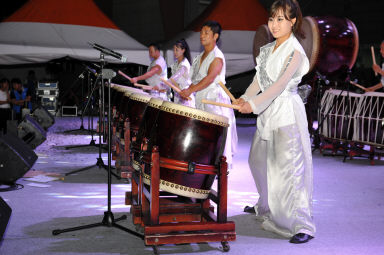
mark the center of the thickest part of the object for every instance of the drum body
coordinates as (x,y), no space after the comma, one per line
(145,137)
(187,134)
(369,123)
(134,110)
(331,44)
(337,112)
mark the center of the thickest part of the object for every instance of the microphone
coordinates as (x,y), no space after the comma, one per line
(109,52)
(322,77)
(90,69)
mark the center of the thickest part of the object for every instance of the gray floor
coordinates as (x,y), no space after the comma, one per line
(348,206)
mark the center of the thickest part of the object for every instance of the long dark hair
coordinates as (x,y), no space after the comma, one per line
(182,44)
(291,10)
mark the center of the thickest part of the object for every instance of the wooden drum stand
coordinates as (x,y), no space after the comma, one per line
(171,219)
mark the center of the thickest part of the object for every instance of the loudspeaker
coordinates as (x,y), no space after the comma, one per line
(16,158)
(31,132)
(43,117)
(5,214)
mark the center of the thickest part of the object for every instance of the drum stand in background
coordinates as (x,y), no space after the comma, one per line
(331,142)
(99,162)
(108,219)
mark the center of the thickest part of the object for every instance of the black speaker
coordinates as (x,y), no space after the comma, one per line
(43,117)
(31,132)
(5,214)
(16,158)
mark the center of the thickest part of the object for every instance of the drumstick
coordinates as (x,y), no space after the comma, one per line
(175,83)
(145,87)
(173,87)
(236,107)
(373,57)
(124,75)
(227,91)
(359,86)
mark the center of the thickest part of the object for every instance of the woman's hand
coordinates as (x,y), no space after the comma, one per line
(245,108)
(239,101)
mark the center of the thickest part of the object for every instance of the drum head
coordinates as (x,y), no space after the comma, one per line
(331,44)
(310,42)
(194,113)
(261,38)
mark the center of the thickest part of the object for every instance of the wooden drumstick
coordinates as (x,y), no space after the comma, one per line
(175,83)
(236,107)
(359,86)
(227,91)
(145,87)
(373,57)
(124,75)
(173,86)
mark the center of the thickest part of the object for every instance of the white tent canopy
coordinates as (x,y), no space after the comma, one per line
(239,20)
(43,30)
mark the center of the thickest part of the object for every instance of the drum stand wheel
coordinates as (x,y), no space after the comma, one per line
(225,246)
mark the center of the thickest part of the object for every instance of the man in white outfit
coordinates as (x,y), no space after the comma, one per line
(208,68)
(157,70)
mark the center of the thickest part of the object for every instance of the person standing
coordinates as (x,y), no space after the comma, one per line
(180,71)
(208,68)
(156,70)
(280,158)
(5,107)
(20,98)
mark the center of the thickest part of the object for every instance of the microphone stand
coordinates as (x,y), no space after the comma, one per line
(316,133)
(90,122)
(108,219)
(99,162)
(83,108)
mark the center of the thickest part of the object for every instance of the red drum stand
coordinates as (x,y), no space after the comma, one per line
(166,218)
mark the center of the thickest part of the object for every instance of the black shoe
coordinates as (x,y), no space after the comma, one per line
(300,238)
(249,209)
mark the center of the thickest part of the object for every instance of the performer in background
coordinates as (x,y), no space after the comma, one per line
(5,107)
(207,70)
(376,68)
(180,71)
(20,97)
(280,157)
(156,70)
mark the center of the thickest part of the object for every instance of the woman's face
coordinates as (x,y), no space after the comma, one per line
(279,26)
(178,52)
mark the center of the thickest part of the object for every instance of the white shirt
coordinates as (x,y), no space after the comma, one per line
(3,97)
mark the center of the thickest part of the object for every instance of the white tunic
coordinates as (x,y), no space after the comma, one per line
(180,74)
(215,93)
(4,97)
(280,158)
(155,79)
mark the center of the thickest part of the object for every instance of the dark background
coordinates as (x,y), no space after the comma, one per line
(160,20)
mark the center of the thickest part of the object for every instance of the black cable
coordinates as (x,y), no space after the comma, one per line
(14,186)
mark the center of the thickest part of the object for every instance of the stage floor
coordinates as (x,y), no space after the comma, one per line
(348,205)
